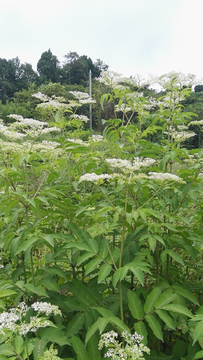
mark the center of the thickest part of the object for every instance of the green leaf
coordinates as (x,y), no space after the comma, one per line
(36,289)
(79,348)
(198,331)
(166,297)
(104,312)
(4,293)
(154,324)
(55,335)
(138,273)
(186,294)
(152,243)
(180,309)
(103,272)
(140,328)
(172,254)
(75,324)
(26,244)
(119,275)
(84,257)
(198,355)
(103,249)
(92,265)
(120,326)
(55,270)
(77,245)
(92,330)
(6,349)
(92,348)
(19,344)
(151,299)
(50,284)
(167,319)
(135,305)
(49,238)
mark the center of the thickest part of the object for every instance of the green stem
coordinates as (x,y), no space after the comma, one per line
(16,354)
(26,346)
(121,256)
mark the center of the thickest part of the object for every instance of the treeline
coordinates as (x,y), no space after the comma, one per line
(15,76)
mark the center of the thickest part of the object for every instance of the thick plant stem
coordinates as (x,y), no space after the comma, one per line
(121,257)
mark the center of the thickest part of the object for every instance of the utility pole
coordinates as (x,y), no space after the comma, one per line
(90,94)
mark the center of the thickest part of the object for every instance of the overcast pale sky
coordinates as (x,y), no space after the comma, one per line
(131,36)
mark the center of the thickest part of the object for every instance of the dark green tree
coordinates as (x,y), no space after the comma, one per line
(48,67)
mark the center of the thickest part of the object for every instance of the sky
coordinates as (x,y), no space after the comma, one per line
(145,37)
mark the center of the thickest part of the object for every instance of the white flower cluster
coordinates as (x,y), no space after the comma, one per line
(78,141)
(196,122)
(41,96)
(80,117)
(94,177)
(127,165)
(165,177)
(46,308)
(30,126)
(179,136)
(82,97)
(110,78)
(8,319)
(131,348)
(96,138)
(13,135)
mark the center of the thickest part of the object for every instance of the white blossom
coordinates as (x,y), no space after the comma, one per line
(41,96)
(128,165)
(96,138)
(94,177)
(80,117)
(45,307)
(165,177)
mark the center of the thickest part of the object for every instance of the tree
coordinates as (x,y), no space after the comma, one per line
(48,67)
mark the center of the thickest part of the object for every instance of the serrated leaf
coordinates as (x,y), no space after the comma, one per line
(155,326)
(92,265)
(103,249)
(175,257)
(185,293)
(49,238)
(180,309)
(140,328)
(4,293)
(92,330)
(151,299)
(166,318)
(104,312)
(138,273)
(57,336)
(50,284)
(77,245)
(198,355)
(75,324)
(19,344)
(103,272)
(79,348)
(120,326)
(165,298)
(5,349)
(135,305)
(55,270)
(198,331)
(119,275)
(36,289)
(84,257)
(92,348)
(26,244)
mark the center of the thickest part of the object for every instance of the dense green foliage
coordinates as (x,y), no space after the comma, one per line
(15,76)
(109,229)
